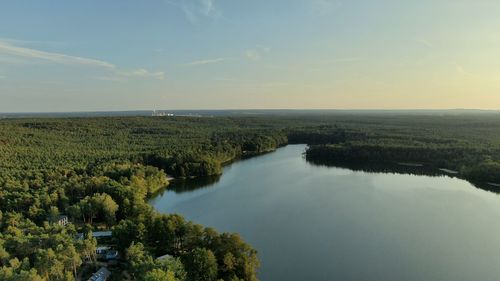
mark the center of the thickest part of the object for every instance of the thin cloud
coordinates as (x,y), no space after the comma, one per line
(120,76)
(160,75)
(207,7)
(252,55)
(424,42)
(206,61)
(460,69)
(9,49)
(196,9)
(50,44)
(257,53)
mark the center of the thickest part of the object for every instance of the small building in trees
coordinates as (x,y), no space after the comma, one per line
(111,254)
(61,220)
(101,275)
(107,253)
(102,250)
(102,234)
(96,234)
(164,257)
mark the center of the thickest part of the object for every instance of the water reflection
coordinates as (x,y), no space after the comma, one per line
(388,168)
(403,169)
(311,222)
(180,186)
(187,185)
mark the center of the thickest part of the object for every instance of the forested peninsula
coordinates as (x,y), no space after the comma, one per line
(98,173)
(467,148)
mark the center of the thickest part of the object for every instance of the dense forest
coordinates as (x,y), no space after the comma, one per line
(467,147)
(100,172)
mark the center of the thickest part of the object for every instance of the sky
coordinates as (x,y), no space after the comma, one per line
(94,55)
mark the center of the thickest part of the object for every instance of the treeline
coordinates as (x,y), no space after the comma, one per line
(325,134)
(472,149)
(181,146)
(453,158)
(208,160)
(475,165)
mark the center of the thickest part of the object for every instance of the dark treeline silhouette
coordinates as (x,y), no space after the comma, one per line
(468,146)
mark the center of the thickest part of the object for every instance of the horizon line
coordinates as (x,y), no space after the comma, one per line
(250,109)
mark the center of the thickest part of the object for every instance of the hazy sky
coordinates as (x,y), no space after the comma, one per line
(60,55)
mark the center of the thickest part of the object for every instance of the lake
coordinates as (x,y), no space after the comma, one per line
(324,223)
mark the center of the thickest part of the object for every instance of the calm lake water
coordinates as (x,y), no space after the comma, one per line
(323,224)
